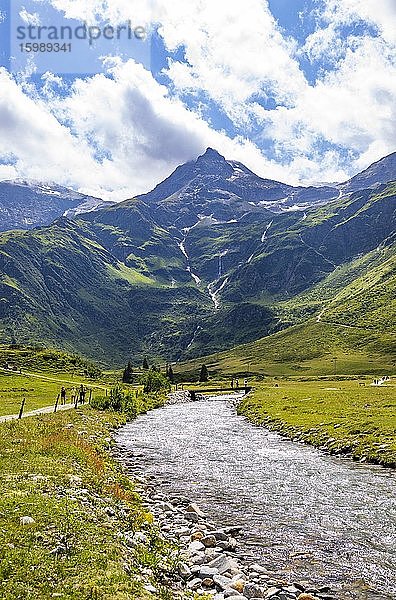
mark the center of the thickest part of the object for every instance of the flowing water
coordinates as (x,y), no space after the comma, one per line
(307,516)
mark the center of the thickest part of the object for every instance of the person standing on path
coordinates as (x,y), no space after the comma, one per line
(73,394)
(82,394)
(63,395)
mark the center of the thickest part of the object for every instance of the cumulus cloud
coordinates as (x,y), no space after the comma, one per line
(124,133)
(118,133)
(381,13)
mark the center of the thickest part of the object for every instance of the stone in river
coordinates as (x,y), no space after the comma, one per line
(194,584)
(197,535)
(221,581)
(193,517)
(194,508)
(209,541)
(207,582)
(182,531)
(257,568)
(234,597)
(251,590)
(307,597)
(198,559)
(196,546)
(223,564)
(274,591)
(238,585)
(208,572)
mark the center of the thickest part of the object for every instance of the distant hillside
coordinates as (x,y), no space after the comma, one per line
(24,205)
(382,171)
(305,350)
(42,359)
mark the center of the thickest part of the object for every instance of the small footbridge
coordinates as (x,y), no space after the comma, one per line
(221,390)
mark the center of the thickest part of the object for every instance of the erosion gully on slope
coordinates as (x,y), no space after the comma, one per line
(306,516)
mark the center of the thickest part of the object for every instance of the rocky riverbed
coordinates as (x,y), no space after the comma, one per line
(210,561)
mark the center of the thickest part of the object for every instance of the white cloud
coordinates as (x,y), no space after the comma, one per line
(30,18)
(381,13)
(124,133)
(119,135)
(353,106)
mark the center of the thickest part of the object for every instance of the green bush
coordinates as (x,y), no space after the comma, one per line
(153,381)
(130,403)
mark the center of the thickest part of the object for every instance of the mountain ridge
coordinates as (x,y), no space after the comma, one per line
(142,278)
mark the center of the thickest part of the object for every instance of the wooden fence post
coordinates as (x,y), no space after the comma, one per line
(21,409)
(90,396)
(56,403)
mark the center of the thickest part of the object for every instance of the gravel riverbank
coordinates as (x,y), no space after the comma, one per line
(210,560)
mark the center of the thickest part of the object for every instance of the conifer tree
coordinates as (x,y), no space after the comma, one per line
(127,376)
(170,374)
(204,374)
(145,364)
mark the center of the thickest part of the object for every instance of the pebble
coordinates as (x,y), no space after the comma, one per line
(207,572)
(196,546)
(27,521)
(251,590)
(209,541)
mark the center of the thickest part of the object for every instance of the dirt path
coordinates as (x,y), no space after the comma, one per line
(39,411)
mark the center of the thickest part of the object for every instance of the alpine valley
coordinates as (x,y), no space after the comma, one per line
(212,258)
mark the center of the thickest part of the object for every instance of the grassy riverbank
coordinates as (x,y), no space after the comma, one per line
(64,509)
(343,417)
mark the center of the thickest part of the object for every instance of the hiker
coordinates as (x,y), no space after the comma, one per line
(232,383)
(245,383)
(73,394)
(63,395)
(237,383)
(82,394)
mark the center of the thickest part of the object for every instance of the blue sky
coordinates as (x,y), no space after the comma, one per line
(300,91)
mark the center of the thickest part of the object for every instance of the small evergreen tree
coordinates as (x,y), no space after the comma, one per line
(127,376)
(145,364)
(170,374)
(204,374)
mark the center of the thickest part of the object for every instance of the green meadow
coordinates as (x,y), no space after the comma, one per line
(65,507)
(38,389)
(341,416)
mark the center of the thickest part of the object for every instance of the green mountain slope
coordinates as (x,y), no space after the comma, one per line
(309,349)
(145,277)
(59,285)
